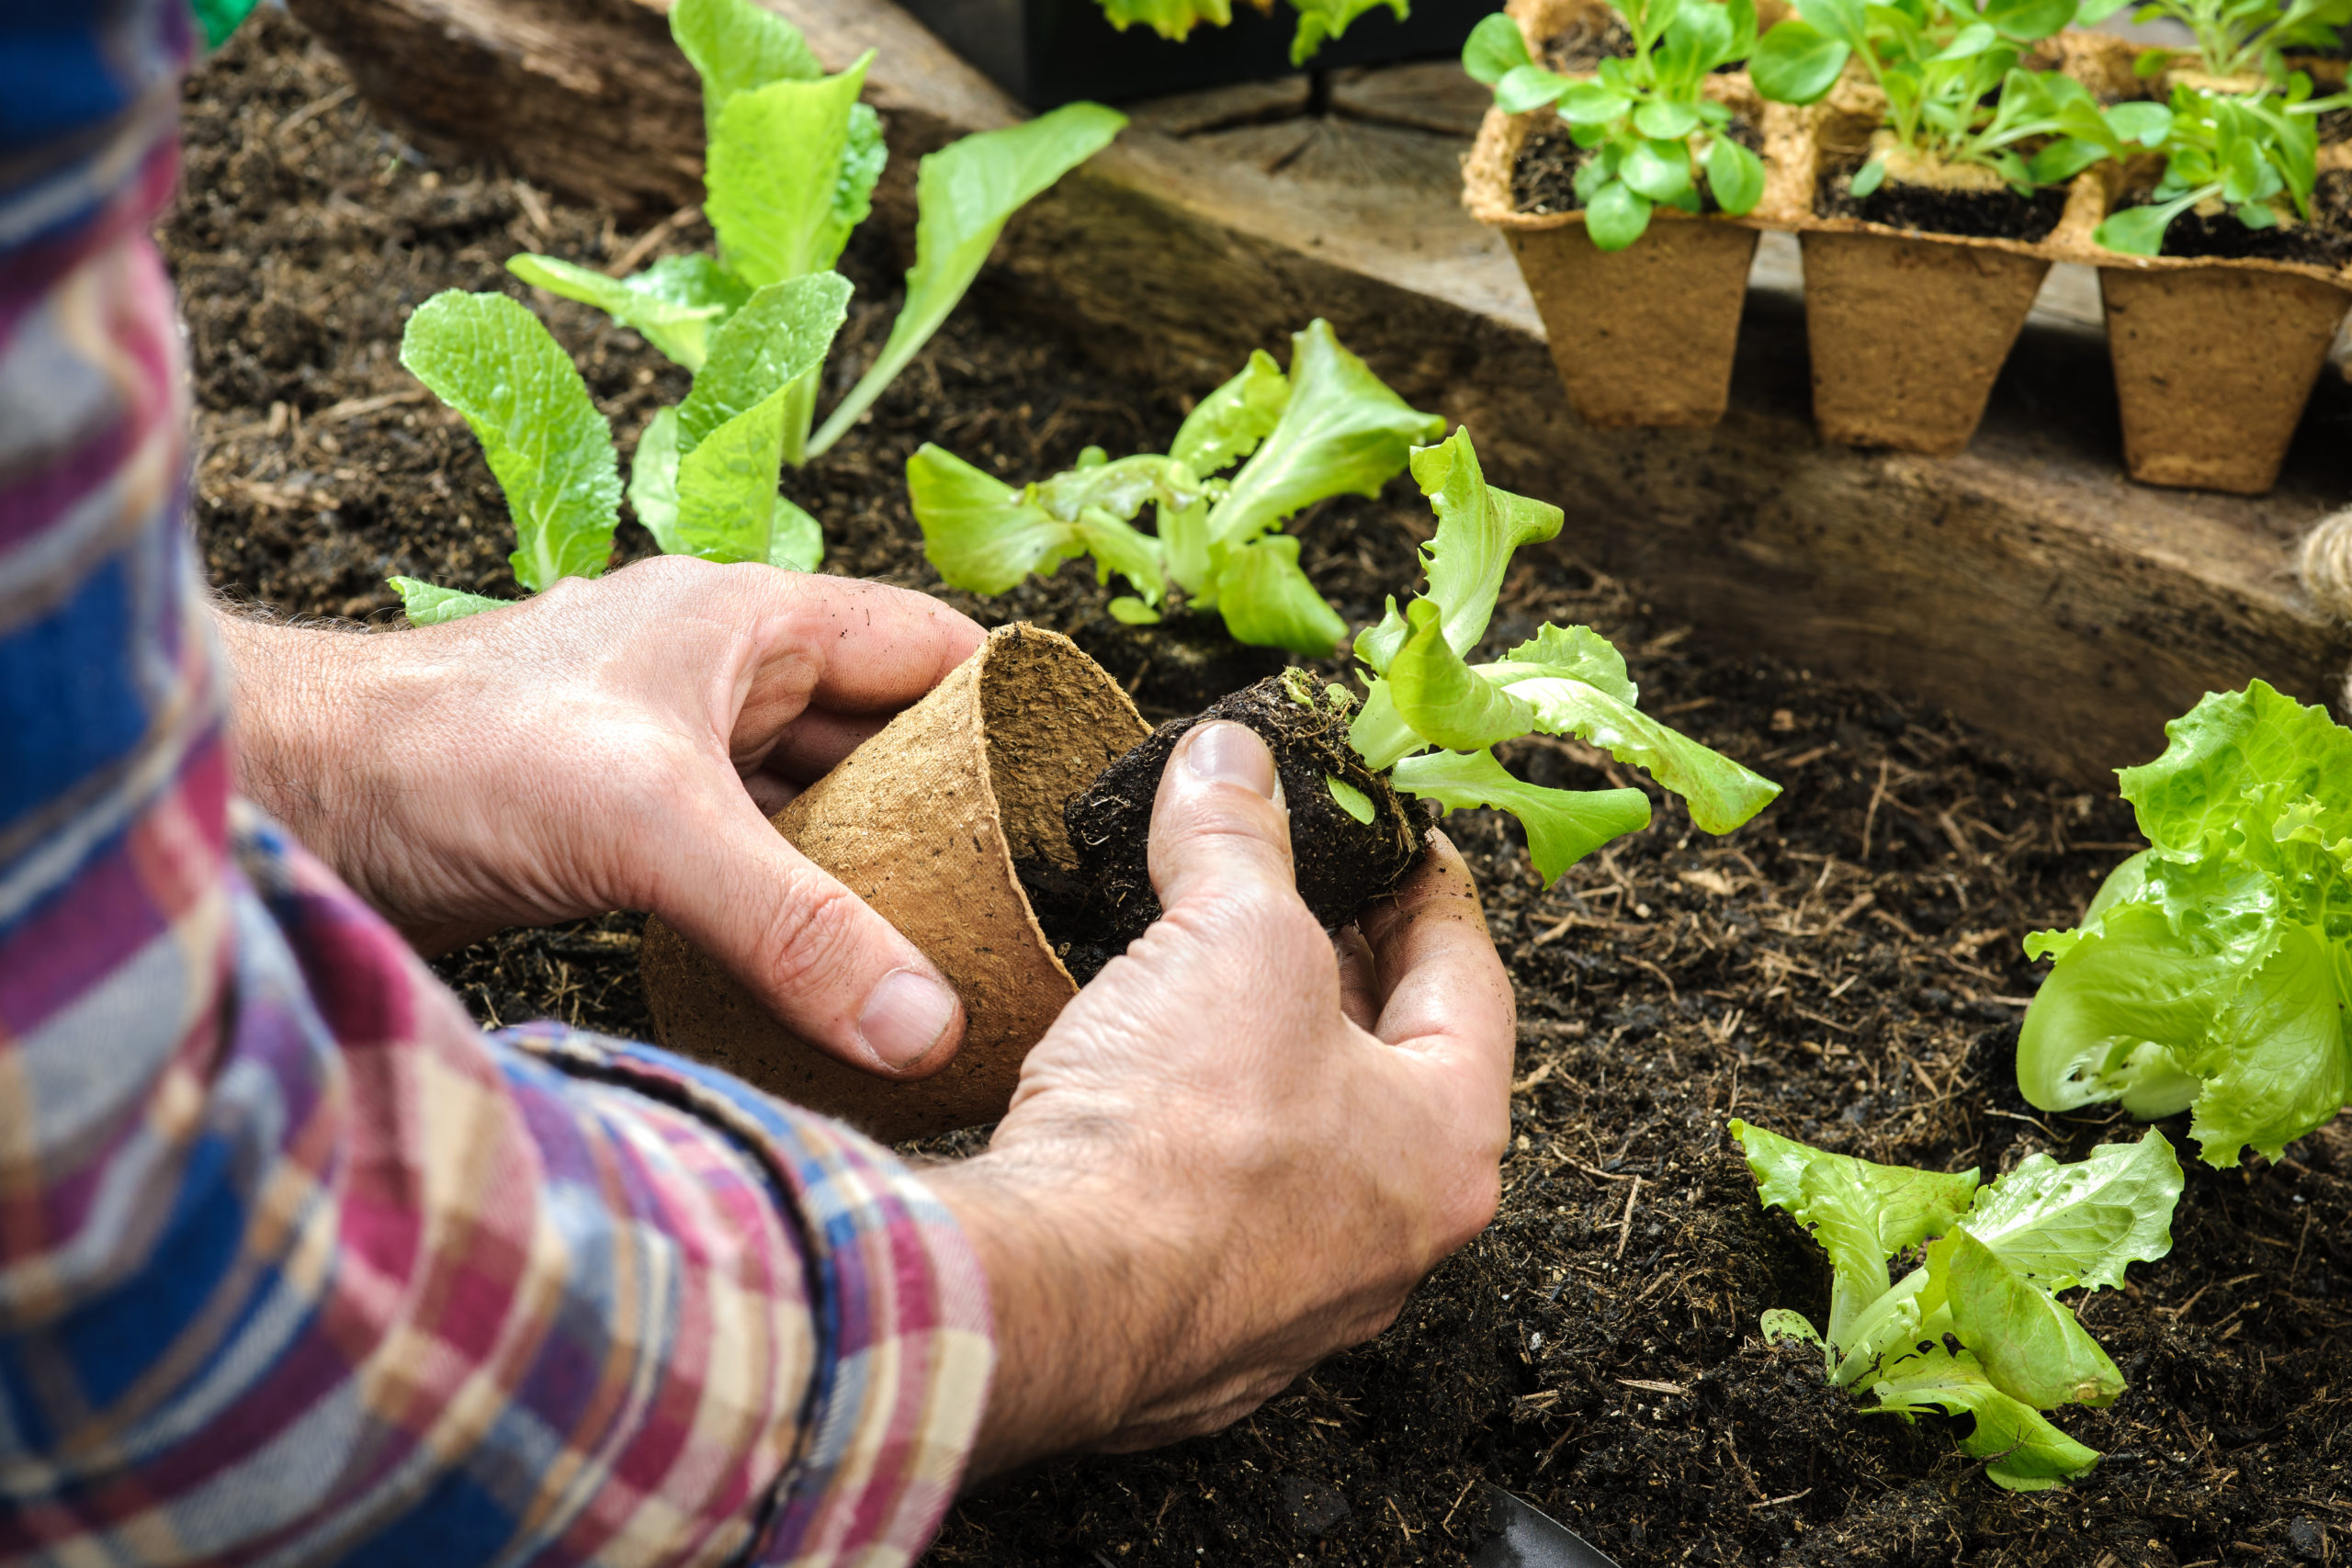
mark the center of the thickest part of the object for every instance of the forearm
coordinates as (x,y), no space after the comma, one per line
(289,690)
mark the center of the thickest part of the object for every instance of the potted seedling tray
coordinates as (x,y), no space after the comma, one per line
(1049,52)
(931,823)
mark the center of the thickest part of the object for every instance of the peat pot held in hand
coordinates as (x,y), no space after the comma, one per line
(927,822)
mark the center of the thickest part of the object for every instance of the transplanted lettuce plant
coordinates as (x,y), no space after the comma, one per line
(1955,95)
(2257,156)
(2213,971)
(1651,134)
(1975,1330)
(790,166)
(1330,427)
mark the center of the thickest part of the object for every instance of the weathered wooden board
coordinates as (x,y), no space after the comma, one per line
(2026,585)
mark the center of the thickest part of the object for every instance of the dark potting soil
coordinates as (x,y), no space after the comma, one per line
(1973,215)
(1845,969)
(1544,179)
(1342,863)
(1577,48)
(2325,240)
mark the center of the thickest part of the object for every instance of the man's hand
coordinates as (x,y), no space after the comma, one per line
(615,745)
(1243,1145)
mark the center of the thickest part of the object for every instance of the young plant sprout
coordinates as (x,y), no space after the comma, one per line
(1955,96)
(2209,973)
(1976,1330)
(1651,134)
(1426,728)
(790,166)
(1330,427)
(1317,20)
(2257,156)
(2235,39)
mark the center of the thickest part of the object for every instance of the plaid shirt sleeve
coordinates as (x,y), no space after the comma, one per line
(297,1266)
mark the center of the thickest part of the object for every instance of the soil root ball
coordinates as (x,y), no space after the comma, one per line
(1342,863)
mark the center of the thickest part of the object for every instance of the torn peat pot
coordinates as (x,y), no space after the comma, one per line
(929,823)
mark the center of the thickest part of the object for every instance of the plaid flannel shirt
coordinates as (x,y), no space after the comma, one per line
(296,1265)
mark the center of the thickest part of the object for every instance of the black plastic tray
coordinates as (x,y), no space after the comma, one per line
(1047,52)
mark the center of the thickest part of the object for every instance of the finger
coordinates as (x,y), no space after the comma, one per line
(769,793)
(814,744)
(839,975)
(1217,824)
(1358,978)
(875,647)
(1446,993)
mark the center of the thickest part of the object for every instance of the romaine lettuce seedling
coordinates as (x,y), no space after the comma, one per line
(2255,156)
(791,160)
(1317,20)
(1954,92)
(1431,720)
(1650,133)
(1976,1330)
(2235,38)
(2214,970)
(1330,427)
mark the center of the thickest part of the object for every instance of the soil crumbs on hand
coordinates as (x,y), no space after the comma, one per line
(1846,970)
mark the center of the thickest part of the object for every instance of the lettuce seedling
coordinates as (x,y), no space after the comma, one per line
(1652,134)
(1431,720)
(2212,970)
(2235,38)
(1977,1328)
(1317,20)
(1330,427)
(1954,92)
(2255,156)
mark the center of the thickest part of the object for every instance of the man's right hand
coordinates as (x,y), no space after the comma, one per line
(1240,1148)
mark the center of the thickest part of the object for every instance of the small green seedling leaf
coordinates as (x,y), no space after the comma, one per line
(1130,611)
(1320,19)
(426,606)
(1616,216)
(2023,1452)
(1478,528)
(1351,800)
(675,304)
(1781,1326)
(1796,62)
(782,333)
(1228,424)
(1495,47)
(487,356)
(1525,87)
(1172,19)
(1443,699)
(1867,178)
(1735,175)
(1268,601)
(796,541)
(2030,1345)
(737,46)
(653,480)
(774,177)
(979,533)
(1563,825)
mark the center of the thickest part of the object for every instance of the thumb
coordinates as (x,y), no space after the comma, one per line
(1219,825)
(814,954)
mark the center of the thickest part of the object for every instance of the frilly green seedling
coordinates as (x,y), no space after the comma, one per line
(2213,972)
(2255,154)
(1977,1330)
(1330,427)
(790,164)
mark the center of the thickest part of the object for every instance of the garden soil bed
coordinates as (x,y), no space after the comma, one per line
(1845,970)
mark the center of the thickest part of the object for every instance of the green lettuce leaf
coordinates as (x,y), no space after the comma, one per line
(1478,527)
(1341,433)
(487,356)
(1721,792)
(979,533)
(965,193)
(727,487)
(1170,19)
(2065,1225)
(1320,19)
(796,542)
(774,177)
(781,335)
(2029,1343)
(426,606)
(675,304)
(1441,698)
(2023,1452)
(2212,970)
(1562,825)
(736,46)
(1267,601)
(1496,47)
(1227,424)
(653,480)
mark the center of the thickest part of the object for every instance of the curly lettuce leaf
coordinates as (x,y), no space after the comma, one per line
(487,356)
(1227,424)
(1722,794)
(979,533)
(2212,971)
(426,605)
(1478,528)
(1563,825)
(965,194)
(2080,1225)
(1172,19)
(1320,19)
(1267,601)
(2028,1342)
(1341,433)
(774,177)
(2023,1452)
(675,304)
(1442,699)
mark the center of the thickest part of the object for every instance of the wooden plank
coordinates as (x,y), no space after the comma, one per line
(2026,585)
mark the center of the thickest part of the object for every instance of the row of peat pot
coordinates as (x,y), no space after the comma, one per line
(2214,359)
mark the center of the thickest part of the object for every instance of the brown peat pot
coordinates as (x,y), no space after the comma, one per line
(924,822)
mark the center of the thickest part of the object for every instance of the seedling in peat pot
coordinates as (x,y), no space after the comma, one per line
(1425,728)
(1959,112)
(790,164)
(2235,39)
(1330,427)
(1977,1330)
(1317,20)
(2256,155)
(1650,133)
(2212,970)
